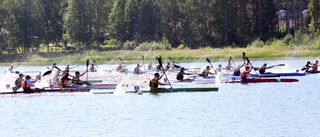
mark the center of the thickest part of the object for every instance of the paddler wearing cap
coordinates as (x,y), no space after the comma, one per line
(181,74)
(27,84)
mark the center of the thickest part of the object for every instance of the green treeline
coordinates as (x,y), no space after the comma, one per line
(39,25)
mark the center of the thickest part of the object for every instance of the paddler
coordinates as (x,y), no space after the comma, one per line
(228,67)
(76,80)
(137,69)
(93,68)
(181,73)
(18,82)
(307,66)
(206,72)
(314,66)
(64,81)
(246,73)
(27,84)
(11,69)
(150,67)
(237,70)
(121,68)
(154,83)
(263,68)
(219,69)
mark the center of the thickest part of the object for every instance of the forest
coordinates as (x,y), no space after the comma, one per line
(102,25)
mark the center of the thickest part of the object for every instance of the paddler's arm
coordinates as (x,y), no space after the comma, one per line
(83,73)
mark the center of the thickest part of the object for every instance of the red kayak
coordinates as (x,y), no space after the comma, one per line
(269,80)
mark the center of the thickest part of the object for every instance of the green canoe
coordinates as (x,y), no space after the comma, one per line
(194,89)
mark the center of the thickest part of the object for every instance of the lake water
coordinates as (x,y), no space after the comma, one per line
(259,110)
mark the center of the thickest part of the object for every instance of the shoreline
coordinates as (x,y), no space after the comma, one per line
(112,57)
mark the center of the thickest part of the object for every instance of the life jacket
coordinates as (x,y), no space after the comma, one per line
(205,72)
(244,74)
(24,84)
(262,70)
(76,81)
(153,85)
(180,76)
(64,82)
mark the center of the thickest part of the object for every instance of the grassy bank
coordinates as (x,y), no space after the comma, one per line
(177,55)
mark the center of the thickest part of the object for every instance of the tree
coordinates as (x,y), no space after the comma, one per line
(51,21)
(146,27)
(78,22)
(21,23)
(117,20)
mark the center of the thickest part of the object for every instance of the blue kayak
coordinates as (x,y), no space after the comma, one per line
(286,74)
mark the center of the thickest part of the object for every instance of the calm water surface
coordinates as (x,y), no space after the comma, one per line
(261,109)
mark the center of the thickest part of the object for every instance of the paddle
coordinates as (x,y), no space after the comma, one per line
(244,55)
(47,73)
(207,59)
(50,71)
(144,66)
(121,59)
(172,60)
(174,63)
(257,68)
(251,64)
(160,63)
(17,65)
(87,68)
(279,65)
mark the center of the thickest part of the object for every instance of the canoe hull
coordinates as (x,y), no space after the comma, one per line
(163,90)
(49,90)
(269,80)
(287,74)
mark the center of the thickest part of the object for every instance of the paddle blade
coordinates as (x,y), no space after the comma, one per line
(94,61)
(120,58)
(87,62)
(160,61)
(207,59)
(47,73)
(280,65)
(17,72)
(57,68)
(243,54)
(142,57)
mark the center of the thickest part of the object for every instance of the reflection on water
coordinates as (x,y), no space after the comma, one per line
(260,109)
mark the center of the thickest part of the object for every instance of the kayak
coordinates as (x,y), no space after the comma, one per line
(49,90)
(287,74)
(269,80)
(96,86)
(93,81)
(93,86)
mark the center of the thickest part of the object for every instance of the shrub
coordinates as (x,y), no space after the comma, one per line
(182,47)
(256,44)
(146,46)
(129,45)
(288,39)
